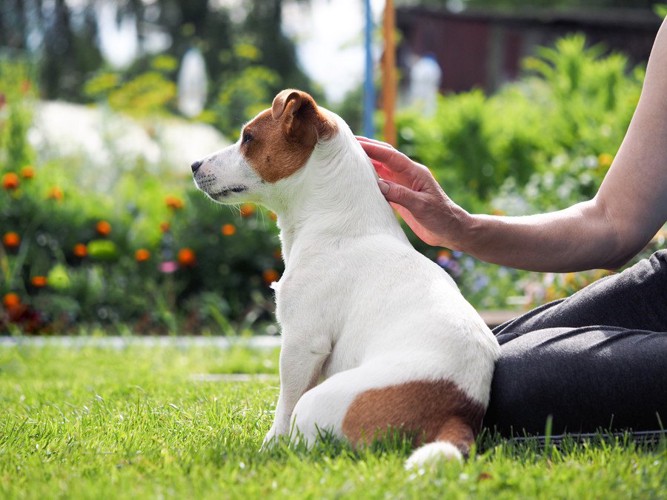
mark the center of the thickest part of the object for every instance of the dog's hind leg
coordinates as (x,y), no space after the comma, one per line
(436,412)
(323,409)
(367,402)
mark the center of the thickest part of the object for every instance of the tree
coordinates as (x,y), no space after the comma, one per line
(52,34)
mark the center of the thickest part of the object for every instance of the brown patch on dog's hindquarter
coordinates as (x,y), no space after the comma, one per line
(429,410)
(283,138)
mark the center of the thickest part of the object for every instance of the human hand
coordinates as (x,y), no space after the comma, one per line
(416,195)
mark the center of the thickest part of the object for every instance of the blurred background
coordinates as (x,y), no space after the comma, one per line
(516,106)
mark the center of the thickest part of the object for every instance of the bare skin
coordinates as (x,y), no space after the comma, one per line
(604,232)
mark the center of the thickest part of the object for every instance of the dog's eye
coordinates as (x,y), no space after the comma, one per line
(247,137)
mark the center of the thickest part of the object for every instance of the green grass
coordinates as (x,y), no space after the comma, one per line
(143,422)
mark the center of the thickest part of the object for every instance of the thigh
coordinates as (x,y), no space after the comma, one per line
(365,403)
(323,408)
(633,299)
(585,379)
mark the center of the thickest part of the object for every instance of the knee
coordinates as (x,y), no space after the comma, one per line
(659,260)
(302,418)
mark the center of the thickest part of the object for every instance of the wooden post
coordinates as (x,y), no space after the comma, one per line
(389,73)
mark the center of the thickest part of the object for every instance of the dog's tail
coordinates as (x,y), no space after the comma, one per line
(431,453)
(453,442)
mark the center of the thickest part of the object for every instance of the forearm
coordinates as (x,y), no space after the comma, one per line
(577,238)
(605,232)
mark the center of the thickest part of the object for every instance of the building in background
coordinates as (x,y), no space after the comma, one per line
(483,49)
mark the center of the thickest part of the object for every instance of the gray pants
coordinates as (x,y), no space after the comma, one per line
(594,361)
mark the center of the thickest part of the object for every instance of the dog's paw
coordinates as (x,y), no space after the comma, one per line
(270,440)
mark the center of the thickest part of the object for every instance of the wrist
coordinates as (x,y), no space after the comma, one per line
(459,235)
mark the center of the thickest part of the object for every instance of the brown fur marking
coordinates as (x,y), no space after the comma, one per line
(283,137)
(429,411)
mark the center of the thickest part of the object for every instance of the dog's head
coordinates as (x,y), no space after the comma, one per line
(273,146)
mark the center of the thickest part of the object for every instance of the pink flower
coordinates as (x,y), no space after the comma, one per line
(168,267)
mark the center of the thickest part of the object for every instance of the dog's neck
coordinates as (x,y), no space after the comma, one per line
(336,198)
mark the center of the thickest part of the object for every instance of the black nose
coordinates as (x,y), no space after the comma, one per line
(195,166)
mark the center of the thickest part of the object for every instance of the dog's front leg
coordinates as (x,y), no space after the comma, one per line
(300,368)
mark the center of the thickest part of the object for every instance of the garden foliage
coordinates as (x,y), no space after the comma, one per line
(152,253)
(566,118)
(149,251)
(540,144)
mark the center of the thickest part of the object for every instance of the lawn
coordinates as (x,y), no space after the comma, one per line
(187,422)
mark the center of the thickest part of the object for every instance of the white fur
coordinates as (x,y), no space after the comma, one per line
(358,306)
(432,453)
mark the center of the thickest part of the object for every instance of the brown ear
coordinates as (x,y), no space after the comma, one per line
(301,119)
(283,98)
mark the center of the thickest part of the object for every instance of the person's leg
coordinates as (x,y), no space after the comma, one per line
(634,299)
(586,379)
(596,360)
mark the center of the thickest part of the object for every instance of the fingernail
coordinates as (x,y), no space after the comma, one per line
(384,187)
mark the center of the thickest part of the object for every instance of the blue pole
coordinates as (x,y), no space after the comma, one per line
(369,85)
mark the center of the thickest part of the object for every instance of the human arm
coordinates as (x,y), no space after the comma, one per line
(604,232)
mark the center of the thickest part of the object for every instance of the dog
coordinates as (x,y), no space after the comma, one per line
(376,337)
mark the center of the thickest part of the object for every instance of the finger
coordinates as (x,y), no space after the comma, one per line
(367,140)
(397,167)
(382,170)
(376,148)
(378,166)
(393,159)
(397,194)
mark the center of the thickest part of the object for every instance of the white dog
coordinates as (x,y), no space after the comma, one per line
(376,337)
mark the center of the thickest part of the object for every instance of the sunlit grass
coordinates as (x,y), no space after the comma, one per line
(149,422)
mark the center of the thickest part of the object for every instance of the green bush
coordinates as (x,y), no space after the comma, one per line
(574,103)
(539,144)
(80,258)
(149,252)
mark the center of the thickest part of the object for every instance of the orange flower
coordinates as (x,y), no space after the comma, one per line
(11,240)
(174,202)
(55,193)
(80,250)
(228,229)
(247,209)
(186,257)
(38,281)
(103,228)
(142,255)
(270,275)
(10,181)
(605,160)
(28,172)
(11,300)
(273,216)
(165,226)
(444,254)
